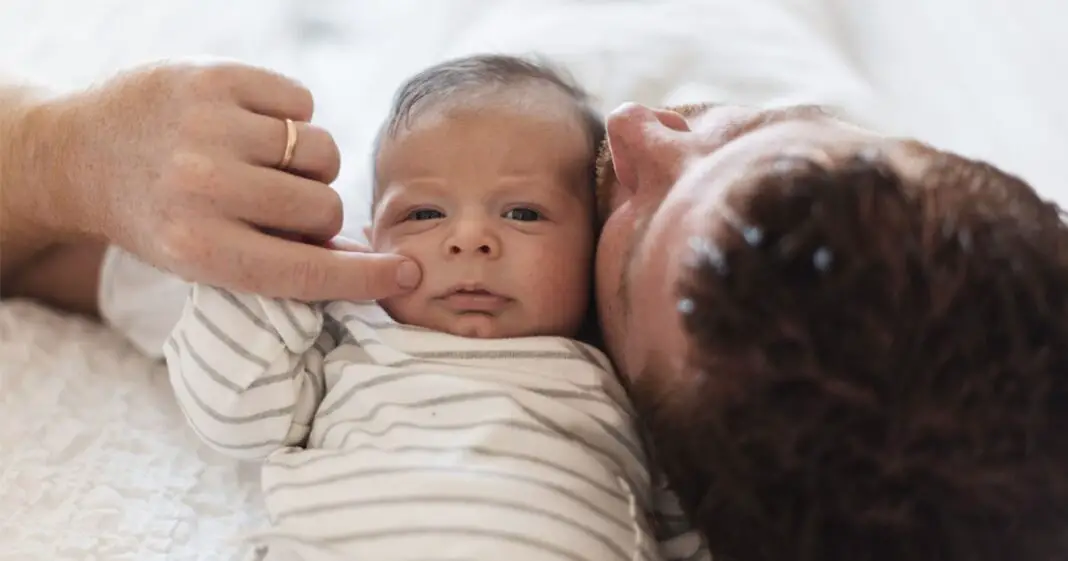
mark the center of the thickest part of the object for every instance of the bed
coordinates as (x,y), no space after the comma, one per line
(96,462)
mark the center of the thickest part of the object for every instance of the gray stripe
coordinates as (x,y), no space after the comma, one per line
(586,354)
(223,380)
(420,500)
(248,313)
(378,325)
(615,392)
(291,317)
(497,355)
(634,448)
(449,470)
(211,412)
(287,376)
(473,450)
(430,358)
(446,532)
(516,539)
(615,463)
(557,430)
(343,399)
(205,366)
(429,362)
(635,455)
(272,379)
(612,461)
(327,409)
(234,345)
(215,443)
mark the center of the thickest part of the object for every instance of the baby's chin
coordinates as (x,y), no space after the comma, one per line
(506,325)
(476,326)
(485,326)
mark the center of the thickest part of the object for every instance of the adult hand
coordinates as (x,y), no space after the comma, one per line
(179,164)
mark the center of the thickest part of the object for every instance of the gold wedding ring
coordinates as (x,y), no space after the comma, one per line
(291,144)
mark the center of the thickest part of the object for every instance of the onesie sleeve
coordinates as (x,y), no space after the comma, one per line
(247,370)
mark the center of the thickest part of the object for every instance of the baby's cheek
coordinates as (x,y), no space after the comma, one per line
(560,277)
(414,246)
(404,309)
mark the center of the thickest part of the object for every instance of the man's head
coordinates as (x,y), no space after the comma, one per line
(484,176)
(845,346)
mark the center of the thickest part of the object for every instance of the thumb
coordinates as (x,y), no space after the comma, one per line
(373,276)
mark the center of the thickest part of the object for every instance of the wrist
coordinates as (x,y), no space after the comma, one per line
(22,238)
(46,197)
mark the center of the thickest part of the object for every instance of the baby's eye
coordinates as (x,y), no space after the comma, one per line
(523,215)
(425,214)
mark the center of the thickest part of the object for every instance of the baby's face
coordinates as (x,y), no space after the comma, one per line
(495,204)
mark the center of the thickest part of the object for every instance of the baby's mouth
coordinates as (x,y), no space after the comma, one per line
(473,299)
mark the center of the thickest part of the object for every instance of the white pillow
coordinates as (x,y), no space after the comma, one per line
(752,51)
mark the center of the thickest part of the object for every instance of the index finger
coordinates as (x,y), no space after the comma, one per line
(251,261)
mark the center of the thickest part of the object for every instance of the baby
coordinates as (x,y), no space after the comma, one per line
(463,420)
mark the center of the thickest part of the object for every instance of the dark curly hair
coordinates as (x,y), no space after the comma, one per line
(878,367)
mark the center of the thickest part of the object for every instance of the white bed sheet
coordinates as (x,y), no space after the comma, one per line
(95,460)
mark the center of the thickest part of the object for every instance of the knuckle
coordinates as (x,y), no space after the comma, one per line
(334,213)
(308,278)
(192,178)
(180,246)
(209,80)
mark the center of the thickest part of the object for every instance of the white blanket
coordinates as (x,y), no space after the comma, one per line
(95,460)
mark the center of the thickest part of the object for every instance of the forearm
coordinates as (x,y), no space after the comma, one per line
(32,179)
(20,238)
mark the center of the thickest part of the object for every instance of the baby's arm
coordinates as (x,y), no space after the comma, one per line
(247,370)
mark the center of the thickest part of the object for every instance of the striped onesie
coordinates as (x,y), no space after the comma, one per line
(388,442)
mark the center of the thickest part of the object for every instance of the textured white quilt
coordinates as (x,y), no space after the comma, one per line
(95,461)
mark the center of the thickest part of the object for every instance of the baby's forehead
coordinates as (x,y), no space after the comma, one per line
(537,125)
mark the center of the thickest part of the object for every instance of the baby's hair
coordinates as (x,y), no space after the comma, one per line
(878,367)
(466,75)
(456,80)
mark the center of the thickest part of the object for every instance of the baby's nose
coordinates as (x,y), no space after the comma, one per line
(456,249)
(473,240)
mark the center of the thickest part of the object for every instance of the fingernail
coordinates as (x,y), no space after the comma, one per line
(408,275)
